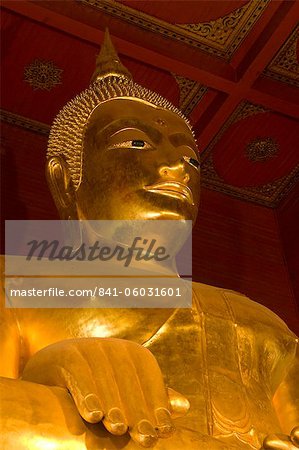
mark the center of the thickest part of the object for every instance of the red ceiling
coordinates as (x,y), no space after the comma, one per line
(230,157)
(74,57)
(186,11)
(246,236)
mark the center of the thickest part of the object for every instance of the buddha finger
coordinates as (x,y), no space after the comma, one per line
(179,405)
(85,398)
(164,425)
(144,434)
(295,436)
(115,422)
(140,420)
(78,379)
(278,442)
(62,364)
(103,373)
(154,391)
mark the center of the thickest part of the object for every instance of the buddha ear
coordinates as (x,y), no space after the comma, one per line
(61,187)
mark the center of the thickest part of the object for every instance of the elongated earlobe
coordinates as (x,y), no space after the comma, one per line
(61,187)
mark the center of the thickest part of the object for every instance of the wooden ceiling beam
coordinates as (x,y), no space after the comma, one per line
(95,36)
(244,90)
(271,46)
(224,112)
(274,104)
(258,35)
(235,91)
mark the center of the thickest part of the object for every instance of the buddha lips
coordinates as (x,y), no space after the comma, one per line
(51,250)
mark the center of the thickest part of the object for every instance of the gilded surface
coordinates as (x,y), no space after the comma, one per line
(269,194)
(284,66)
(261,149)
(42,75)
(220,37)
(191,93)
(218,355)
(225,34)
(220,375)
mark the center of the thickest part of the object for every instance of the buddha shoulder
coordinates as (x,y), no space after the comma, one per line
(236,307)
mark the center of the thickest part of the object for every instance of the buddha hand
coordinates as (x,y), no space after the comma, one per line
(282,441)
(114,381)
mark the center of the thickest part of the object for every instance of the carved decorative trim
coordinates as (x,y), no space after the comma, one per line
(42,74)
(245,109)
(24,122)
(269,194)
(191,93)
(261,149)
(226,33)
(284,67)
(220,37)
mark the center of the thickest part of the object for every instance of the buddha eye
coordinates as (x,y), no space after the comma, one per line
(192,161)
(138,143)
(135,144)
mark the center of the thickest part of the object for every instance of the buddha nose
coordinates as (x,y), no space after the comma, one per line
(175,171)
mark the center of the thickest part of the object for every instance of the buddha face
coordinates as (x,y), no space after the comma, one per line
(139,162)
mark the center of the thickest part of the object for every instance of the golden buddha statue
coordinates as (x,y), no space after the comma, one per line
(77,379)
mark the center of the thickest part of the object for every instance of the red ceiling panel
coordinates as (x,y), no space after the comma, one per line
(186,11)
(24,189)
(25,40)
(230,154)
(287,218)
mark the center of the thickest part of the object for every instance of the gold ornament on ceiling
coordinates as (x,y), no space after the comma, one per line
(42,74)
(191,93)
(244,110)
(268,194)
(284,67)
(226,33)
(220,37)
(261,149)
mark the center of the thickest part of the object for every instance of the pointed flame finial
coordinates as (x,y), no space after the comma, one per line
(108,62)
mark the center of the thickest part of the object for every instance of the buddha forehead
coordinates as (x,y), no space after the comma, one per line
(129,146)
(105,102)
(119,114)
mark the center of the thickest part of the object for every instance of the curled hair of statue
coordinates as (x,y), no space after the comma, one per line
(110,80)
